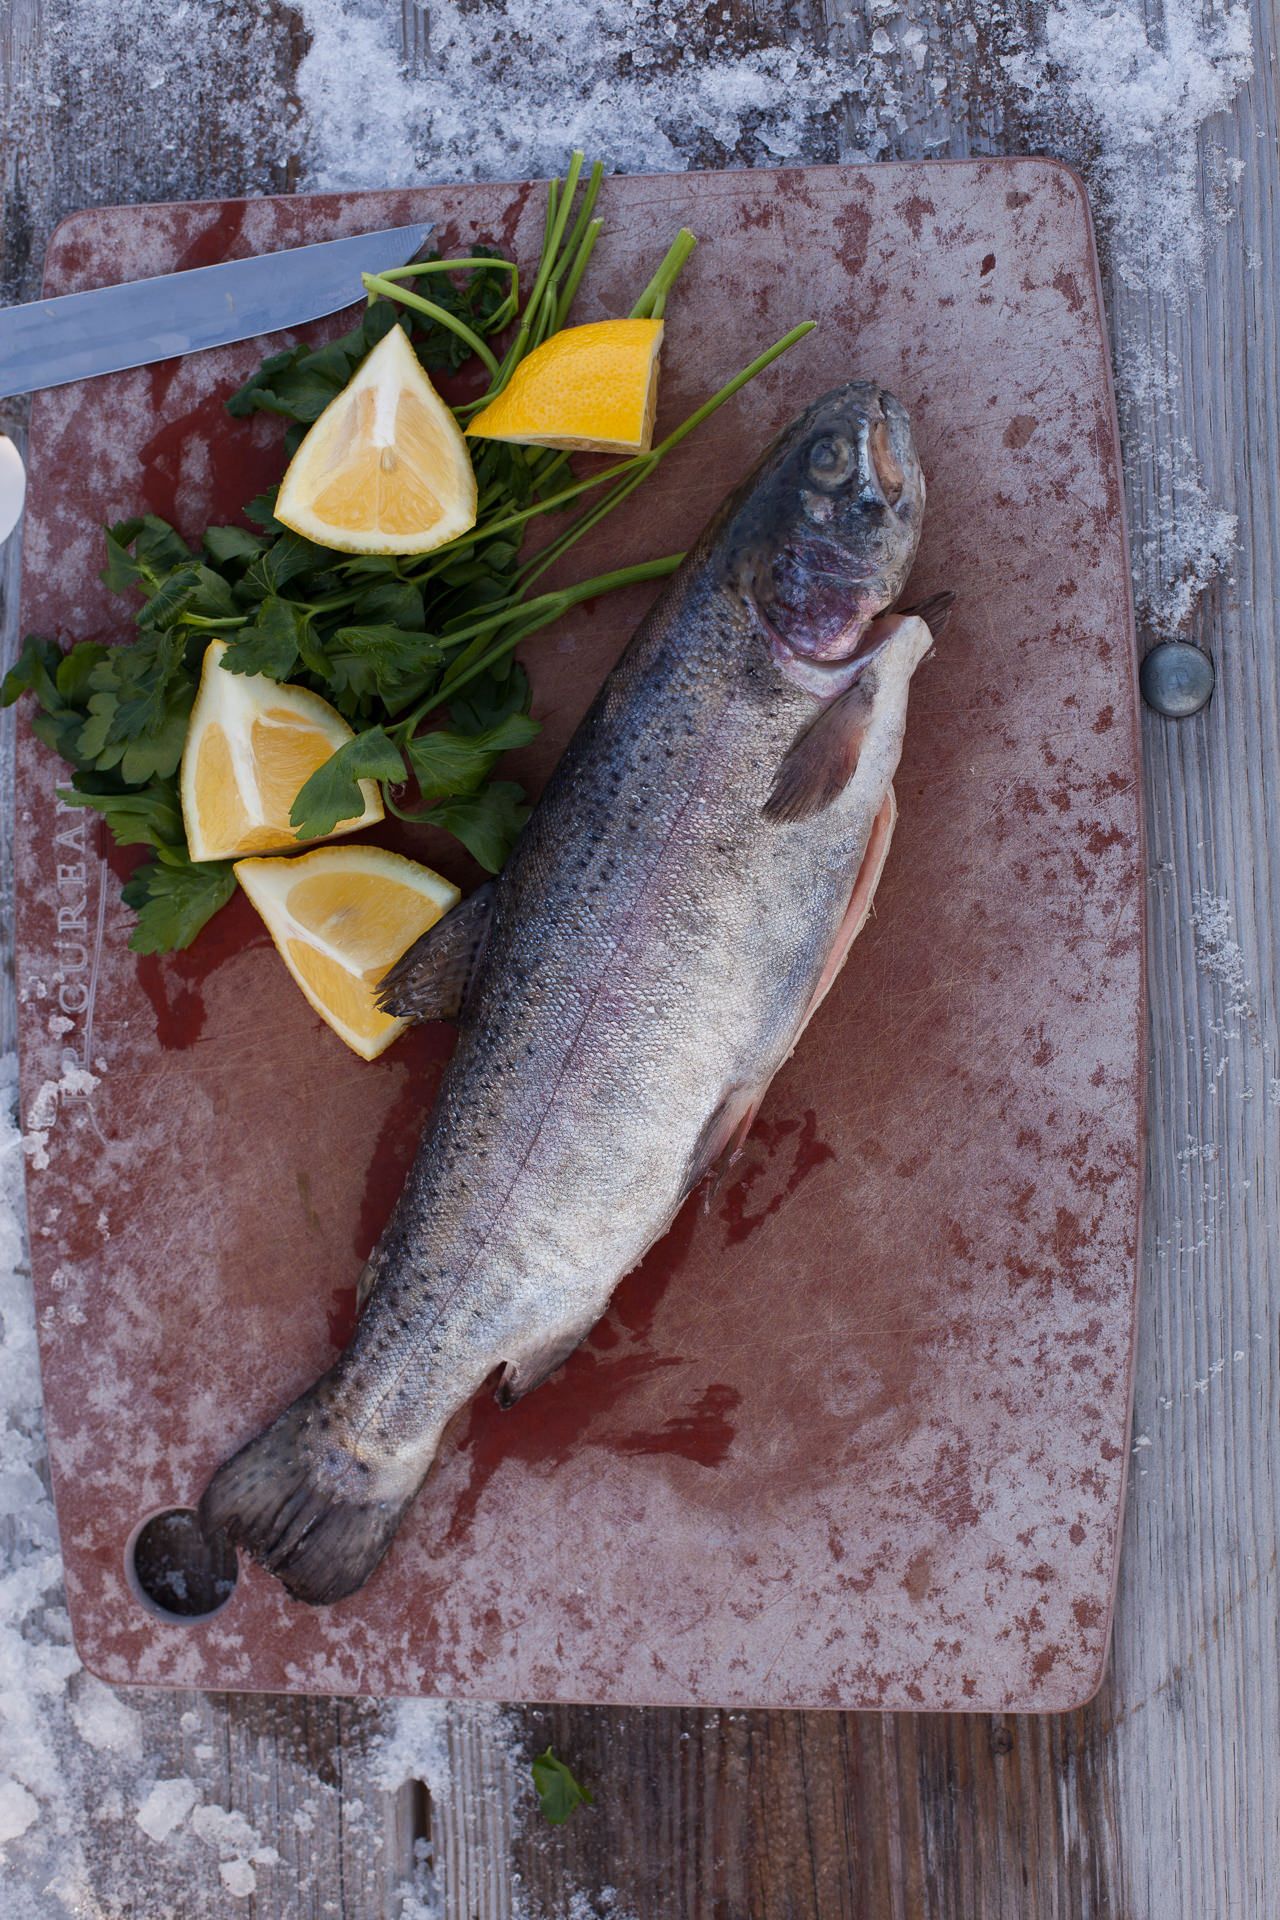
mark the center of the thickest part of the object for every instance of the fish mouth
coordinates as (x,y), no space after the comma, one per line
(825,677)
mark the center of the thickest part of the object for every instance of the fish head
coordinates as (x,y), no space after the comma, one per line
(822,535)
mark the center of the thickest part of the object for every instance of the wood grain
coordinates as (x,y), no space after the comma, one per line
(1162,1798)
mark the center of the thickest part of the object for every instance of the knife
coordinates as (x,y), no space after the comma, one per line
(46,343)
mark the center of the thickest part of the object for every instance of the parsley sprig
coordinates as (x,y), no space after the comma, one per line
(416,652)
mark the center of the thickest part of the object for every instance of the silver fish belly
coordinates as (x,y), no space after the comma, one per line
(676,907)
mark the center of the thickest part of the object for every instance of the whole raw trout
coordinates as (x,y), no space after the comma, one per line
(677,905)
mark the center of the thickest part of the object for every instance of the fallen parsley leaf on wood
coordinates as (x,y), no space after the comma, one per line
(557,1789)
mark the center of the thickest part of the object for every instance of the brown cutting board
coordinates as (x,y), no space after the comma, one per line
(855,1434)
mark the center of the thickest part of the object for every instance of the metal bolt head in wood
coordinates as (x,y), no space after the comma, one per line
(1176,679)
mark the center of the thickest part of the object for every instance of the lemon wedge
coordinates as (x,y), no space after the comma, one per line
(251,745)
(340,916)
(591,389)
(385,468)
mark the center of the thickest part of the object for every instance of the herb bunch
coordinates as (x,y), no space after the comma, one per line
(416,652)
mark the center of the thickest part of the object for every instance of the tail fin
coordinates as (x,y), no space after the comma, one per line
(304,1507)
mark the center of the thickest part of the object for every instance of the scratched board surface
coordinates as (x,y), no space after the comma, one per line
(855,1432)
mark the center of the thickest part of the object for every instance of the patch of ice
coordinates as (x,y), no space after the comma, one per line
(238,1877)
(505,91)
(415,1748)
(1140,90)
(1185,544)
(102,1719)
(604,1905)
(43,1112)
(18,1810)
(1218,955)
(166,1807)
(223,1828)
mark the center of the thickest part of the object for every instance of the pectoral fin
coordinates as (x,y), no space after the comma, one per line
(935,611)
(431,980)
(820,764)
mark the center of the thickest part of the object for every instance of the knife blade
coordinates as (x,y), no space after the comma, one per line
(46,343)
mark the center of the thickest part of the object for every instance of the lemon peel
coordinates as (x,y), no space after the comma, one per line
(588,389)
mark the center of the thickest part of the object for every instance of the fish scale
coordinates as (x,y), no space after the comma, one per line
(672,912)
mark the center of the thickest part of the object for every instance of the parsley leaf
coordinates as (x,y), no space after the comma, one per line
(59,683)
(262,508)
(148,816)
(282,562)
(173,897)
(227,544)
(138,709)
(122,570)
(333,791)
(380,661)
(75,670)
(157,548)
(558,1791)
(36,671)
(393,601)
(448,763)
(270,643)
(486,703)
(486,823)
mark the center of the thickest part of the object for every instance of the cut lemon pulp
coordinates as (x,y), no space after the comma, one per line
(591,389)
(251,745)
(385,468)
(340,917)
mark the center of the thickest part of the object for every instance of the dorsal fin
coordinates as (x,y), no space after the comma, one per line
(431,980)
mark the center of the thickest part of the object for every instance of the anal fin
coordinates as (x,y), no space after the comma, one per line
(430,981)
(522,1375)
(723,1136)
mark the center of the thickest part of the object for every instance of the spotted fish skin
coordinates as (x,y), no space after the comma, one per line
(675,907)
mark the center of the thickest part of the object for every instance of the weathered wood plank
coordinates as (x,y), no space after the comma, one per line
(1198,1682)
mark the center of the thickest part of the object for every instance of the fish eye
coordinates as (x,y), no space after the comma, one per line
(831,460)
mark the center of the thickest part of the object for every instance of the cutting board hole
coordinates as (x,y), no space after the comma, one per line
(176,1570)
